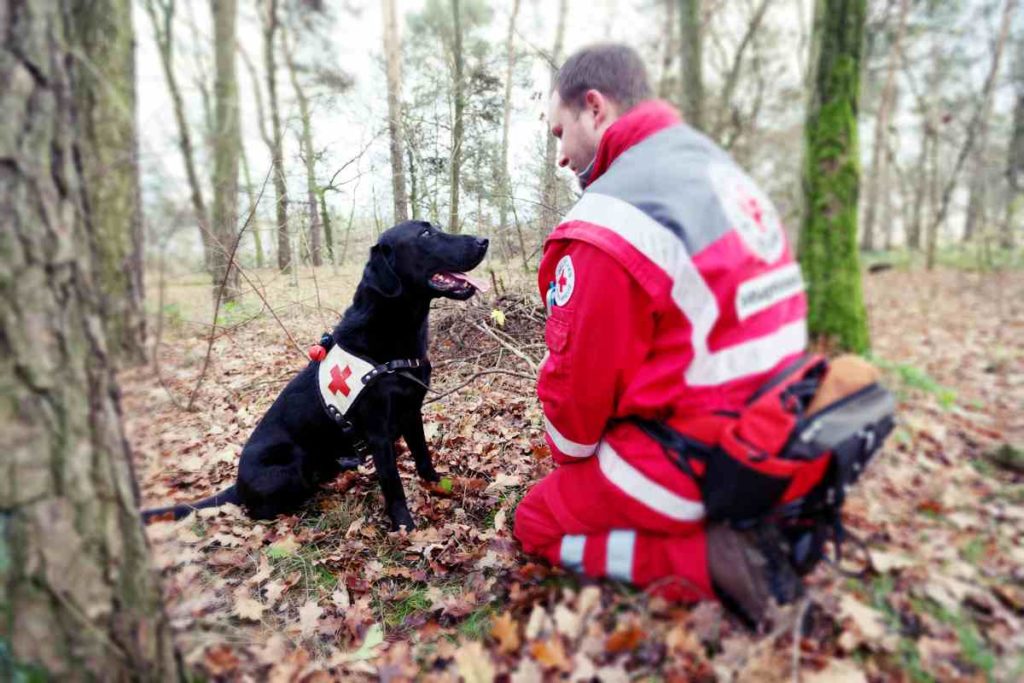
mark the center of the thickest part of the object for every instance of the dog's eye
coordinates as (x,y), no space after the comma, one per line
(425,232)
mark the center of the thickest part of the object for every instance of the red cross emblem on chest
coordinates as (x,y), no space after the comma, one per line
(752,208)
(562,282)
(339,380)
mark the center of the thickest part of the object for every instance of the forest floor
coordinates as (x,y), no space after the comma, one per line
(329,593)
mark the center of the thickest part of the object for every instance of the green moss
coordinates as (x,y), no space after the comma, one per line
(477,624)
(397,611)
(828,240)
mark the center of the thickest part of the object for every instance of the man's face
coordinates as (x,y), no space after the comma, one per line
(578,133)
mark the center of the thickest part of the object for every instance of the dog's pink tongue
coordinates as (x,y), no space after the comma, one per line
(481,285)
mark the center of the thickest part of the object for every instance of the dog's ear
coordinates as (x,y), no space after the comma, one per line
(380,275)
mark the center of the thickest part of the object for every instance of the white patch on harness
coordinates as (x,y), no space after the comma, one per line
(766,290)
(340,377)
(749,211)
(565,280)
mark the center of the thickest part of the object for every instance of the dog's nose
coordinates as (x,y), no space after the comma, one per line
(482,242)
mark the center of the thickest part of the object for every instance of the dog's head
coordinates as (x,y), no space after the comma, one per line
(416,257)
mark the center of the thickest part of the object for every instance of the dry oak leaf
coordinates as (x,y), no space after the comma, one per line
(474,663)
(309,615)
(220,660)
(836,671)
(248,609)
(625,639)
(505,630)
(550,654)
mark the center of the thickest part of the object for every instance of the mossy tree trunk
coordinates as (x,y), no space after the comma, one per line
(78,599)
(105,99)
(828,239)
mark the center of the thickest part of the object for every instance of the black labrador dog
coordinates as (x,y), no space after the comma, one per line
(299,444)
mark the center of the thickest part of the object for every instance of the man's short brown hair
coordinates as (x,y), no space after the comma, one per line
(614,70)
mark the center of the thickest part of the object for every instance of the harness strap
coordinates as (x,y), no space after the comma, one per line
(348,428)
(394,366)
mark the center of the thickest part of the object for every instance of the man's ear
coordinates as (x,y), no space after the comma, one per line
(598,105)
(380,275)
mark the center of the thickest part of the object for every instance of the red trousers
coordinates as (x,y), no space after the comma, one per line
(576,518)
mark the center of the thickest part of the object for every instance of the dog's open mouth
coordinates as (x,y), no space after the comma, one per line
(457,283)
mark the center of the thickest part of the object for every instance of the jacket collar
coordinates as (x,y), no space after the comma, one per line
(636,125)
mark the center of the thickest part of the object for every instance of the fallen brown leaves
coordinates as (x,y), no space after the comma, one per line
(329,594)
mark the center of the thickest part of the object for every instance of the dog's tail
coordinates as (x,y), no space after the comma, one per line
(228,495)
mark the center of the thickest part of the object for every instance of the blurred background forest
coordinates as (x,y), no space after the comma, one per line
(437,109)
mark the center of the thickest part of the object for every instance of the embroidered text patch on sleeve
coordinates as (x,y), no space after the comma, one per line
(565,280)
(749,210)
(764,291)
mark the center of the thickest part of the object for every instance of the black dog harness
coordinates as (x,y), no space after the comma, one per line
(341,378)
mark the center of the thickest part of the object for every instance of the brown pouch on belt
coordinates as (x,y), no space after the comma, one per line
(846,375)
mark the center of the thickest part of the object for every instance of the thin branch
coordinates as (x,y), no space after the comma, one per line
(483,327)
(220,291)
(472,379)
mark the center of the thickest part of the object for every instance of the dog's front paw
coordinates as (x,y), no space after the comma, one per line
(401,518)
(428,474)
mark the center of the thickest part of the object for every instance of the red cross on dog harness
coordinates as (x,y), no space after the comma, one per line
(340,378)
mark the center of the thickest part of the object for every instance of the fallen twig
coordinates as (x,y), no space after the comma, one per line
(469,381)
(483,327)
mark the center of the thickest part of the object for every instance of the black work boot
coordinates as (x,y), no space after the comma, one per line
(750,569)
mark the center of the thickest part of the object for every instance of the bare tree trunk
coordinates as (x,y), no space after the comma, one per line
(457,125)
(691,62)
(227,143)
(505,181)
(733,77)
(413,196)
(325,218)
(261,122)
(880,143)
(307,152)
(257,93)
(977,125)
(978,184)
(665,81)
(251,194)
(916,227)
(1015,153)
(931,233)
(78,598)
(890,170)
(163,29)
(284,247)
(105,98)
(548,186)
(393,55)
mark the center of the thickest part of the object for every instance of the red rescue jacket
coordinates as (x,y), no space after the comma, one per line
(671,294)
